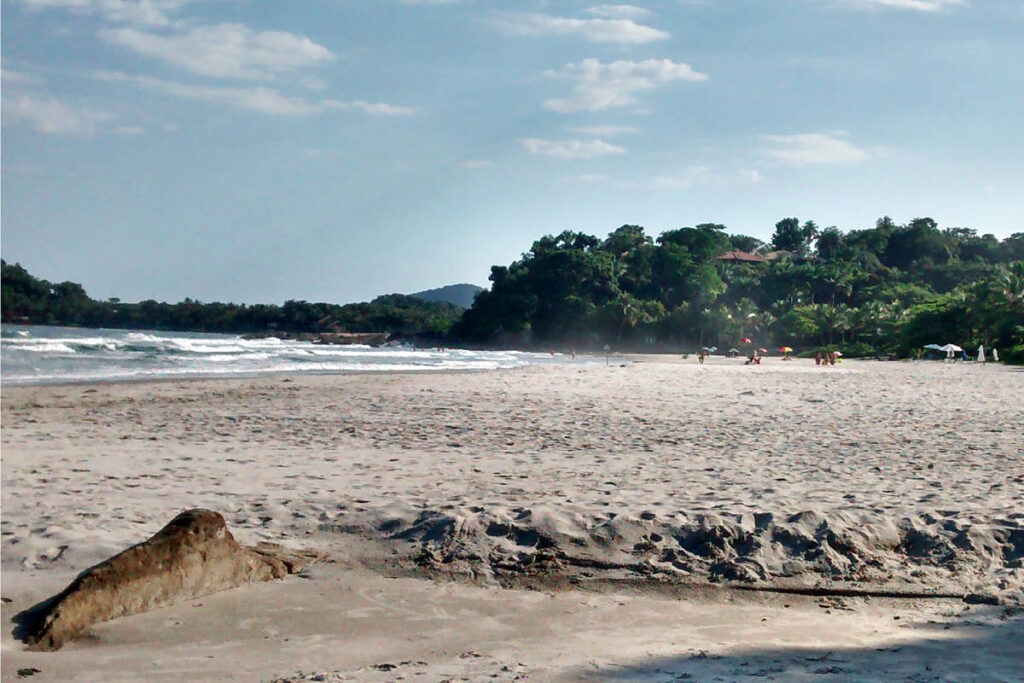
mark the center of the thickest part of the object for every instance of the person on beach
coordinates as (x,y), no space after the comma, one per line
(817,357)
(700,356)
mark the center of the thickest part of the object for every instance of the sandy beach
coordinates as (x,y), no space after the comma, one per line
(576,522)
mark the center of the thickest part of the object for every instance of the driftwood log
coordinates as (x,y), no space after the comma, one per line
(194,555)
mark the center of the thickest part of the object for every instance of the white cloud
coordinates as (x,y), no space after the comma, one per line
(751,175)
(378,108)
(145,12)
(9,76)
(699,174)
(601,131)
(588,178)
(52,116)
(129,130)
(624,31)
(617,11)
(918,5)
(570,149)
(687,178)
(313,83)
(603,86)
(260,98)
(814,148)
(225,50)
(477,163)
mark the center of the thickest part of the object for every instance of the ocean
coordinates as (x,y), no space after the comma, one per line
(33,354)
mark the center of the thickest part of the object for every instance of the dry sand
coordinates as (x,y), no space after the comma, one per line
(595,519)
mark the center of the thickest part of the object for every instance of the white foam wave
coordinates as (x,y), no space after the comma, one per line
(41,346)
(53,355)
(282,368)
(233,357)
(143,337)
(367,352)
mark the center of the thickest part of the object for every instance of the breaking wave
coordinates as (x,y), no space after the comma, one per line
(56,355)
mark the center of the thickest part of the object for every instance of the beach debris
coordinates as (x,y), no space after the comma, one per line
(192,556)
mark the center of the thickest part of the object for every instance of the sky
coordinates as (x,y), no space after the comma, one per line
(335,150)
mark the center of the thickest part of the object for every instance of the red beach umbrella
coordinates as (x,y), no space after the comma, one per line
(746,340)
(786,349)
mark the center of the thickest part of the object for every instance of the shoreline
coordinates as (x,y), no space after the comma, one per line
(244,376)
(584,359)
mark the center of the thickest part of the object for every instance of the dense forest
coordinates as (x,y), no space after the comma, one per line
(26,299)
(889,289)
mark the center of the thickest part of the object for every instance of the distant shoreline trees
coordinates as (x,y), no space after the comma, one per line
(29,300)
(883,290)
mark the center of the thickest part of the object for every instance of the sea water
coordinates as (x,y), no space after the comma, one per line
(33,354)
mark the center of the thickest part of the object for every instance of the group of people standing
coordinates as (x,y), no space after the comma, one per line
(826,357)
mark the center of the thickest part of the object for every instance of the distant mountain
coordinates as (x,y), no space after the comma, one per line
(460,295)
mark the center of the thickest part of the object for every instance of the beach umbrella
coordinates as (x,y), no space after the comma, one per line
(837,353)
(763,350)
(933,347)
(734,350)
(746,340)
(950,347)
(786,349)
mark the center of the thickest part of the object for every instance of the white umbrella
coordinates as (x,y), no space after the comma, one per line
(933,347)
(950,347)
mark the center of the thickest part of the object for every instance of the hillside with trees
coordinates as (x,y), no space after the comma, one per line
(26,299)
(461,294)
(886,289)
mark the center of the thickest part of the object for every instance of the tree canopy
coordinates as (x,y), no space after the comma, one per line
(886,289)
(27,299)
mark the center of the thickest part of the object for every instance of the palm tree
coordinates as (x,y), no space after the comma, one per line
(1012,282)
(829,319)
(837,281)
(744,313)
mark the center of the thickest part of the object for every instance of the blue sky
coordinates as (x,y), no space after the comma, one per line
(334,150)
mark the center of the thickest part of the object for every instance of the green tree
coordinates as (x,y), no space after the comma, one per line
(788,236)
